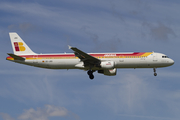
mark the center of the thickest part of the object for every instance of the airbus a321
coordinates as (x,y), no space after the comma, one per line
(104,63)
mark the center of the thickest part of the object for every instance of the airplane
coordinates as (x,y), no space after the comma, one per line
(103,63)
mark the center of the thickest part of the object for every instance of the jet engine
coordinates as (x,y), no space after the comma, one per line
(107,65)
(111,72)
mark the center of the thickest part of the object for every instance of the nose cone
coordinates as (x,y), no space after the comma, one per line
(171,62)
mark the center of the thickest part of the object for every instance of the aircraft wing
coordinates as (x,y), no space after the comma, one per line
(86,58)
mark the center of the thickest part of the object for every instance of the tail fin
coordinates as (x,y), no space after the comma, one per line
(19,46)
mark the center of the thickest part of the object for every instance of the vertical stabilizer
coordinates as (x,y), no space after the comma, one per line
(19,46)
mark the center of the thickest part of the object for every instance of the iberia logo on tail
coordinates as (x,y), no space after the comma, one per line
(19,46)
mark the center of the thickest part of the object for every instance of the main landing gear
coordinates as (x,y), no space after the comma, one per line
(155,74)
(90,73)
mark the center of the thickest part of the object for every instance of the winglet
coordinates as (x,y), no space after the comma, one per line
(69,46)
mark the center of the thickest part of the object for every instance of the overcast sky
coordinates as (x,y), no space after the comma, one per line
(48,26)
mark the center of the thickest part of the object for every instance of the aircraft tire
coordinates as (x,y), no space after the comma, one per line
(91,76)
(155,74)
(89,72)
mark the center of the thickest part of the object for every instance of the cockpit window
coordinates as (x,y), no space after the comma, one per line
(165,57)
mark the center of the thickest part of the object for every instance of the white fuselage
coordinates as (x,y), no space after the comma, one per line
(154,60)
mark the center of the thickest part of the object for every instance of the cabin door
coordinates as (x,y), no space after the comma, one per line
(155,57)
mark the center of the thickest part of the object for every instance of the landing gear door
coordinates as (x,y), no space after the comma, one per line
(155,57)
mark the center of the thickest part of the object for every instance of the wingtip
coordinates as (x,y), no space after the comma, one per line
(69,46)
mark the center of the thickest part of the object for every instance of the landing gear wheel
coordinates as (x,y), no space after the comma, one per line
(90,73)
(154,69)
(91,76)
(155,74)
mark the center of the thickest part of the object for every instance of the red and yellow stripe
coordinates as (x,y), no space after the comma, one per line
(72,56)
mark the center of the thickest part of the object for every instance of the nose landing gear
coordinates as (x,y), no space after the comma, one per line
(154,69)
(90,73)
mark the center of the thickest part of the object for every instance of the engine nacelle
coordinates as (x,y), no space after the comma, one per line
(111,72)
(107,65)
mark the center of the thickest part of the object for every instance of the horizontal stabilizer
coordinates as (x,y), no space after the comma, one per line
(16,57)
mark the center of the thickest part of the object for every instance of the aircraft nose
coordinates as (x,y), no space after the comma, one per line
(171,61)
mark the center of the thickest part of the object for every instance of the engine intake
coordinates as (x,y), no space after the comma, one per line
(107,72)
